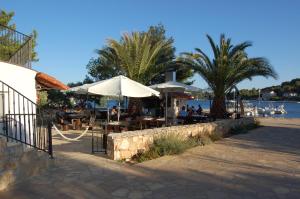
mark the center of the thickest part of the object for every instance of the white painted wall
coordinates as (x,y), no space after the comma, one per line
(20,78)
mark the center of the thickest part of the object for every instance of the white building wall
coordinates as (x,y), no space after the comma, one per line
(22,80)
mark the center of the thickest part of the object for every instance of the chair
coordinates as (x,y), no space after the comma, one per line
(62,121)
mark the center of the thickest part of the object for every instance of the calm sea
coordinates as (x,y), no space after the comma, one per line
(292,108)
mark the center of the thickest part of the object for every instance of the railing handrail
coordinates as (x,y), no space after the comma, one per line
(15,30)
(18,92)
(20,48)
(33,133)
(22,55)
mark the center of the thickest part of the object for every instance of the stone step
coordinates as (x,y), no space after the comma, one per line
(14,149)
(3,144)
(7,177)
(17,168)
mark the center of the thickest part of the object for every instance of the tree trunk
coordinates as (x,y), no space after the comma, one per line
(218,109)
(242,107)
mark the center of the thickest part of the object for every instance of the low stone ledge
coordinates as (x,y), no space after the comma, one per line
(18,162)
(127,144)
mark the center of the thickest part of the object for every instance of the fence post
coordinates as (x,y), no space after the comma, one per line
(6,128)
(93,151)
(50,149)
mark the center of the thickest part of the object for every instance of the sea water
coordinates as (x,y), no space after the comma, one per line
(292,108)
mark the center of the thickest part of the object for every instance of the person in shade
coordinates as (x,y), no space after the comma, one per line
(134,113)
(114,113)
(182,112)
(199,110)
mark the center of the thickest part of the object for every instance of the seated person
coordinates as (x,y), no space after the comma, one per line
(114,113)
(78,109)
(182,112)
(193,109)
(199,111)
(134,112)
(61,113)
(190,112)
(62,118)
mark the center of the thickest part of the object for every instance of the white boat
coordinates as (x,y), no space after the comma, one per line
(260,111)
(270,110)
(280,110)
(248,107)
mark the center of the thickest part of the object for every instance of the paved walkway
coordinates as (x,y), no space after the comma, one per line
(264,163)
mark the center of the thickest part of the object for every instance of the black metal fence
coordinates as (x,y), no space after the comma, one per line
(15,47)
(22,121)
(99,141)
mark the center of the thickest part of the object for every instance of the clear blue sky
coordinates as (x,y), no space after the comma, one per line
(70,30)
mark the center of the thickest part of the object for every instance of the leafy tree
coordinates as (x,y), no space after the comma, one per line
(42,98)
(57,99)
(142,56)
(105,66)
(249,93)
(8,46)
(229,66)
(87,80)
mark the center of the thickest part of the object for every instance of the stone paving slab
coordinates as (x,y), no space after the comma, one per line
(264,163)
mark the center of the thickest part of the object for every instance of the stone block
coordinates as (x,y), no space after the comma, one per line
(127,144)
(6,178)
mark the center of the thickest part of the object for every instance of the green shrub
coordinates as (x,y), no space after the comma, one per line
(202,140)
(174,144)
(171,144)
(205,140)
(166,145)
(42,98)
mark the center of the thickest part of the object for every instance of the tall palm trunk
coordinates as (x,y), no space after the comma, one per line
(218,109)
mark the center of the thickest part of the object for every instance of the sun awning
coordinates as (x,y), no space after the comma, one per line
(48,82)
(181,95)
(172,86)
(117,86)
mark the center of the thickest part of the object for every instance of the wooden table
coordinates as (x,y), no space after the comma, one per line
(116,126)
(76,123)
(160,122)
(75,119)
(146,121)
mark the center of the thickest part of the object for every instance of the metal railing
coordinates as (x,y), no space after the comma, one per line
(99,135)
(22,121)
(99,141)
(15,47)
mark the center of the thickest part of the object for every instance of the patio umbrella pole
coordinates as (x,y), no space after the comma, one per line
(107,110)
(166,114)
(119,109)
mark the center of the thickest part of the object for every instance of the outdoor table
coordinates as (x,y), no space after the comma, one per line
(116,126)
(146,121)
(199,118)
(160,122)
(75,119)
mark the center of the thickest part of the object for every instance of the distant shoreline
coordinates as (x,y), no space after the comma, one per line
(283,101)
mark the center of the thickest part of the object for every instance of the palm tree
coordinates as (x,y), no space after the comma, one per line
(143,56)
(229,66)
(138,57)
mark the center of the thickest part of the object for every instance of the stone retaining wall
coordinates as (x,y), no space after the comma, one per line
(18,162)
(125,145)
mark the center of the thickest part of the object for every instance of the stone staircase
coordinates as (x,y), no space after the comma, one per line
(18,162)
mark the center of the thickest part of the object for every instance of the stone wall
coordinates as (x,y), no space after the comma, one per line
(18,162)
(125,145)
